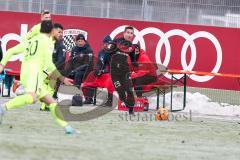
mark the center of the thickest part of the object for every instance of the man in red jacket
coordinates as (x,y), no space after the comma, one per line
(144,72)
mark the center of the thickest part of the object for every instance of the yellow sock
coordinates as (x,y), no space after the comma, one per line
(57,115)
(43,106)
(19,101)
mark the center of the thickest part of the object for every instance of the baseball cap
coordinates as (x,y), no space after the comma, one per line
(80,36)
(45,11)
(107,39)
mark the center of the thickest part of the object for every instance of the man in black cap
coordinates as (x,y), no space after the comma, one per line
(81,60)
(100,77)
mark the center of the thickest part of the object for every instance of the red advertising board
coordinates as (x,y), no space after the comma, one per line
(178,46)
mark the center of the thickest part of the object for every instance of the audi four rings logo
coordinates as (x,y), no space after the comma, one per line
(189,41)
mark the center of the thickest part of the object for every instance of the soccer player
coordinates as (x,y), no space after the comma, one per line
(120,69)
(58,56)
(59,53)
(35,30)
(36,59)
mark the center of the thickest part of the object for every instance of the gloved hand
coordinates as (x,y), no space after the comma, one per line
(135,64)
(111,47)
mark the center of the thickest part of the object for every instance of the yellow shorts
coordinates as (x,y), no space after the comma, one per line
(49,85)
(34,83)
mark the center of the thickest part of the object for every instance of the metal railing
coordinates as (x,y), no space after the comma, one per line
(225,13)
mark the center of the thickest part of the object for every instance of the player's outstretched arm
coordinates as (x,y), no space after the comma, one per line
(57,75)
(35,30)
(20,48)
(66,81)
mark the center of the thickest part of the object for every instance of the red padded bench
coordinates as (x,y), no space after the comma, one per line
(162,86)
(10,75)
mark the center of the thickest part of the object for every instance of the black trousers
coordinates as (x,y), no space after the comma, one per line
(120,73)
(139,82)
(76,71)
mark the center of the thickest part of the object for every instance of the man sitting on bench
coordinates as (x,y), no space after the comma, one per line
(81,61)
(144,72)
(100,77)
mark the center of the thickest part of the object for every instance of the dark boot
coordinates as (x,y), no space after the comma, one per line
(55,95)
(130,111)
(88,93)
(108,103)
(88,100)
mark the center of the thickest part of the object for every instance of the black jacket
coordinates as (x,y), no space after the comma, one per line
(76,50)
(59,55)
(81,59)
(82,56)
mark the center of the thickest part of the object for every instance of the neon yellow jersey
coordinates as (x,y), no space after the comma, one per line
(37,52)
(20,48)
(37,64)
(34,31)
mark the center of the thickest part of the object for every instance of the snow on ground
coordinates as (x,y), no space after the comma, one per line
(198,103)
(27,133)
